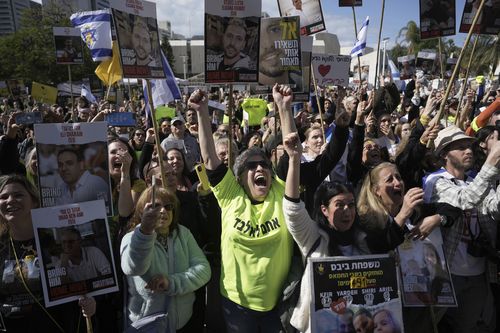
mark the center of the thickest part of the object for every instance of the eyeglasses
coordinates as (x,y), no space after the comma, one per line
(252,165)
(139,134)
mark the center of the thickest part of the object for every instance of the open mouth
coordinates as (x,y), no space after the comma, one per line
(12,209)
(260,181)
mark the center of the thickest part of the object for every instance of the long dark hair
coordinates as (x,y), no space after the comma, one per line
(131,151)
(325,192)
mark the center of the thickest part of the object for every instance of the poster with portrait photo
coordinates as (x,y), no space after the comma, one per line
(232,41)
(344,288)
(437,18)
(16,87)
(350,3)
(406,65)
(331,70)
(68,42)
(488,22)
(425,277)
(280,54)
(309,11)
(74,251)
(72,160)
(138,39)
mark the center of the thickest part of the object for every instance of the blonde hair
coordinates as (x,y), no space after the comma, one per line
(371,210)
(165,196)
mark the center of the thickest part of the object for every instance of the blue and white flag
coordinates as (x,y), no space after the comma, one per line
(95,28)
(163,91)
(88,94)
(394,70)
(360,45)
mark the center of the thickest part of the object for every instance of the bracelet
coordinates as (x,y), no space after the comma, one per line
(423,143)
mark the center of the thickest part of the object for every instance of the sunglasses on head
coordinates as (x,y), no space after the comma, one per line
(252,165)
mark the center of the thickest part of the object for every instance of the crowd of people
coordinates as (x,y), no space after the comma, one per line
(370,171)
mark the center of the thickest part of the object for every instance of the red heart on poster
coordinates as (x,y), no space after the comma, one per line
(324,69)
(340,305)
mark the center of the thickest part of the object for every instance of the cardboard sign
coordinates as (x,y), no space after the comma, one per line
(231,41)
(331,69)
(43,93)
(126,119)
(437,18)
(138,39)
(310,13)
(343,286)
(68,45)
(74,252)
(73,163)
(424,272)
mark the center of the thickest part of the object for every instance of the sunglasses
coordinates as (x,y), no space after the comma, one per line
(139,134)
(252,165)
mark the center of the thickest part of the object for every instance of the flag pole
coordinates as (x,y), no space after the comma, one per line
(230,128)
(319,106)
(441,59)
(159,149)
(439,115)
(463,92)
(73,114)
(88,322)
(356,36)
(378,44)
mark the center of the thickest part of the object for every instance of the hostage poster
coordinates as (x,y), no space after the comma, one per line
(72,161)
(331,70)
(350,3)
(74,251)
(347,289)
(488,22)
(68,43)
(138,38)
(309,11)
(424,272)
(232,41)
(280,53)
(437,18)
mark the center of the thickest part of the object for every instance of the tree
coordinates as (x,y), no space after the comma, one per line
(167,49)
(30,52)
(486,55)
(410,35)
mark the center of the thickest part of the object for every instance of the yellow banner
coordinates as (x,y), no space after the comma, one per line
(44,93)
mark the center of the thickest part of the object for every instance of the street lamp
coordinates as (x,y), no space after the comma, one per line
(184,62)
(383,61)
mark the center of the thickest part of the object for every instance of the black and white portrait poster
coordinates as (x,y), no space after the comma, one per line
(426,61)
(331,70)
(489,20)
(424,272)
(437,18)
(280,52)
(232,41)
(138,39)
(74,251)
(72,160)
(309,11)
(350,3)
(354,292)
(68,43)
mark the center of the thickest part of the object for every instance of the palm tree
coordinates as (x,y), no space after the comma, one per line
(410,37)
(486,55)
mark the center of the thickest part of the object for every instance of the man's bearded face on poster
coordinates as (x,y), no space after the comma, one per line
(234,41)
(141,42)
(270,63)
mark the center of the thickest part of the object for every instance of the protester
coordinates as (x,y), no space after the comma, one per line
(250,298)
(20,288)
(163,264)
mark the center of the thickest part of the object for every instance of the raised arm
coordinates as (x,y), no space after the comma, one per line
(294,151)
(199,102)
(283,97)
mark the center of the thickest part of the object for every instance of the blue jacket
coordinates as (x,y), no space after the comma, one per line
(142,257)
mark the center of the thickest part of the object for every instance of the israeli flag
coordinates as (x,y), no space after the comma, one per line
(95,28)
(360,45)
(394,70)
(163,91)
(88,94)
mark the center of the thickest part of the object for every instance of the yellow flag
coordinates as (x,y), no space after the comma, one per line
(110,71)
(43,93)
